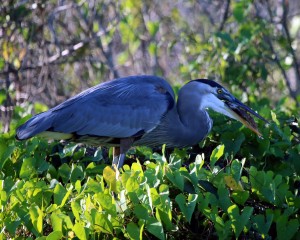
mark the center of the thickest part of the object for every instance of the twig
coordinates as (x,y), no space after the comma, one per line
(225,16)
(285,7)
(277,61)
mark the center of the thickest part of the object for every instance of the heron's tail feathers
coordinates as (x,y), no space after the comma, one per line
(36,125)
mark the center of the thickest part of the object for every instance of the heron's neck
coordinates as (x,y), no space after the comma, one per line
(186,124)
(195,122)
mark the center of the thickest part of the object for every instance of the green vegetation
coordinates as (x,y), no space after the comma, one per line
(232,185)
(246,187)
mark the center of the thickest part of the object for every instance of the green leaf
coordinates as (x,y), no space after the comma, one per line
(216,154)
(262,223)
(155,227)
(164,192)
(94,186)
(94,169)
(5,153)
(64,172)
(165,216)
(133,231)
(263,147)
(56,235)
(236,169)
(69,150)
(132,184)
(153,28)
(11,226)
(36,216)
(232,183)
(286,229)
(102,222)
(199,161)
(274,119)
(60,220)
(239,11)
(39,107)
(56,222)
(223,228)
(232,141)
(225,37)
(240,197)
(176,178)
(109,176)
(76,174)
(28,168)
(238,222)
(80,231)
(224,199)
(106,202)
(41,238)
(76,209)
(141,212)
(60,195)
(188,207)
(3,96)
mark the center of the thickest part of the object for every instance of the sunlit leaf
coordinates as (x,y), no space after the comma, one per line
(110,177)
(36,215)
(102,223)
(80,231)
(232,184)
(28,168)
(107,203)
(56,235)
(216,154)
(60,194)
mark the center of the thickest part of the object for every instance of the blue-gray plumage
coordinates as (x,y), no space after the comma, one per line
(138,110)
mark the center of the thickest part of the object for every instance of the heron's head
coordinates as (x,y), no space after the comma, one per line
(219,99)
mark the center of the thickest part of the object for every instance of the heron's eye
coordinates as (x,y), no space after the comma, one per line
(219,91)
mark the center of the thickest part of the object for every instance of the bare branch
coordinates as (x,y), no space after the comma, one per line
(285,5)
(225,16)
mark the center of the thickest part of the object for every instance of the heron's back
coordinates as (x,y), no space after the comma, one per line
(122,108)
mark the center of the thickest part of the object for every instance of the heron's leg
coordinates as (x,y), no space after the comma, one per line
(116,154)
(121,160)
(120,152)
(118,160)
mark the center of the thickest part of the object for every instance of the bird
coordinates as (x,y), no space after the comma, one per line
(138,111)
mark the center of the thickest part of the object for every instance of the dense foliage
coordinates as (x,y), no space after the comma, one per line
(232,185)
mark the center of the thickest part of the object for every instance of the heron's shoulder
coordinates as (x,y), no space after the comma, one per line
(143,80)
(137,85)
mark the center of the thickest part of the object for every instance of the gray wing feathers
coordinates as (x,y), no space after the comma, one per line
(118,108)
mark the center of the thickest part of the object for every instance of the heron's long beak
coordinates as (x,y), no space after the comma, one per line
(243,113)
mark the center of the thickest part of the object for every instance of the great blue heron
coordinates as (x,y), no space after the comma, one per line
(138,110)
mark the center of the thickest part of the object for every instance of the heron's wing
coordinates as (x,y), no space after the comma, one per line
(121,108)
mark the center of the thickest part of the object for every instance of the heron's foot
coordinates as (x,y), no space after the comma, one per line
(117,163)
(115,168)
